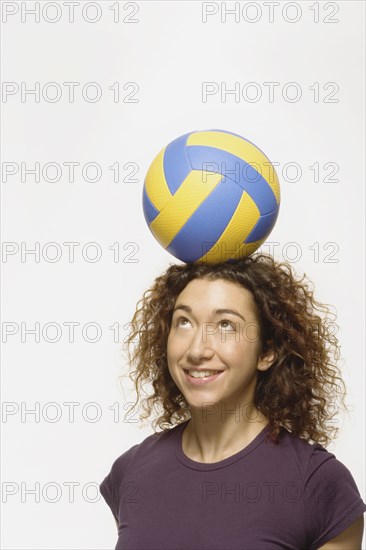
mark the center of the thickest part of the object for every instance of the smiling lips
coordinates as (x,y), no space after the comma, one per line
(201,376)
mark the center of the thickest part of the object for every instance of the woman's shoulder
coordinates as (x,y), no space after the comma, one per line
(320,466)
(332,500)
(149,443)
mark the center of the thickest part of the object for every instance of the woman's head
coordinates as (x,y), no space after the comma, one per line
(292,350)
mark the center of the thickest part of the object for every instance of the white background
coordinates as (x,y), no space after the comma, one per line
(169,52)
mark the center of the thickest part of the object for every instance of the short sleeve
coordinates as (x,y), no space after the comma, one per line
(332,499)
(107,490)
(111,486)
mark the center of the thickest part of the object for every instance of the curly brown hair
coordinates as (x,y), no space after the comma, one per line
(299,392)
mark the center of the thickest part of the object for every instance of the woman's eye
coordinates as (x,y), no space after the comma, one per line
(229,323)
(177,323)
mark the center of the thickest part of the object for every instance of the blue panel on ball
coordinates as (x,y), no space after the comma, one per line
(263,227)
(150,212)
(234,169)
(204,227)
(176,163)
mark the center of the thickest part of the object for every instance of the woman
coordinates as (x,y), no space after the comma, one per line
(244,371)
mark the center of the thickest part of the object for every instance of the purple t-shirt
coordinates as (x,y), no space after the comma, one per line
(294,495)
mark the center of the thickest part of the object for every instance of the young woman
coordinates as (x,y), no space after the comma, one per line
(244,372)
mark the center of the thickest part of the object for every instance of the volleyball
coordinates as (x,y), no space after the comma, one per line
(211,196)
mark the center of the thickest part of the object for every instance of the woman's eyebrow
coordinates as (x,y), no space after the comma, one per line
(215,311)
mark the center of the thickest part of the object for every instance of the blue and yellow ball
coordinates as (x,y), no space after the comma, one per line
(211,196)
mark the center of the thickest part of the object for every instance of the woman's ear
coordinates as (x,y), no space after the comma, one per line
(266,360)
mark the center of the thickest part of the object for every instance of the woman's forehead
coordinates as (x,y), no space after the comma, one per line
(214,285)
(229,293)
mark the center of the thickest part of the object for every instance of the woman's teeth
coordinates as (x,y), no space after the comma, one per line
(202,374)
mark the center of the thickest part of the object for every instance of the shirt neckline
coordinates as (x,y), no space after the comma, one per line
(205,467)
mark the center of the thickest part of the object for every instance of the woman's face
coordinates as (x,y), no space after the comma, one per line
(202,338)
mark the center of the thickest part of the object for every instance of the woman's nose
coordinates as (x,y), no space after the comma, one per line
(200,345)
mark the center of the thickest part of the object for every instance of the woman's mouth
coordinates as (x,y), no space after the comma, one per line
(197,378)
